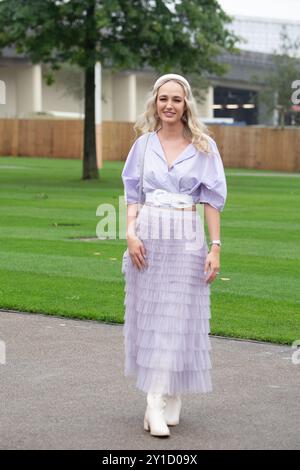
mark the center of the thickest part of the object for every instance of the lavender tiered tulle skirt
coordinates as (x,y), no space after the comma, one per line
(167,305)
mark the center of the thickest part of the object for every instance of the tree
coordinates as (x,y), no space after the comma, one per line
(183,36)
(277,93)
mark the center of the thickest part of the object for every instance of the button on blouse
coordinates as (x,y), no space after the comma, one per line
(193,172)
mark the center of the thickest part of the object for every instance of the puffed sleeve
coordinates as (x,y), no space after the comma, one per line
(131,172)
(213,188)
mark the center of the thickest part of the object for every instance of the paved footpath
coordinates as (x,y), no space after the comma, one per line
(63,387)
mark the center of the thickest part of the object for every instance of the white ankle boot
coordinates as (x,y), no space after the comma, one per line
(154,416)
(172,409)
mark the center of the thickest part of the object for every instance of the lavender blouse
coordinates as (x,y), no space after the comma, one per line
(193,172)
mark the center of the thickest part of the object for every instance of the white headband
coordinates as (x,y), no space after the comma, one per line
(171,76)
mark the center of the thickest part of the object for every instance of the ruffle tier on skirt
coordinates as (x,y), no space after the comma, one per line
(167,305)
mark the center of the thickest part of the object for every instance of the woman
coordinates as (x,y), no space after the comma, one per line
(169,269)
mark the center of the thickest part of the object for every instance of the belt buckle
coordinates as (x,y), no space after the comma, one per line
(158,197)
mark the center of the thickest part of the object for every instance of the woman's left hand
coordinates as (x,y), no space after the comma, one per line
(212,263)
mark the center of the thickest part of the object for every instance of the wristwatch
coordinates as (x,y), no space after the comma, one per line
(215,242)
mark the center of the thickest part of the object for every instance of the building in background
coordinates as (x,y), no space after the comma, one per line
(235,94)
(263,34)
(233,97)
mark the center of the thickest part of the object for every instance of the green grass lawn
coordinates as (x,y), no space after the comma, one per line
(45,207)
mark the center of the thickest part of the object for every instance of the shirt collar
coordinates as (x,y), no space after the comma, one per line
(188,152)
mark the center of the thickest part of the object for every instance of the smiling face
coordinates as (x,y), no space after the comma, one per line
(170,102)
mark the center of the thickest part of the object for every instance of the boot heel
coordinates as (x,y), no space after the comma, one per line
(146,424)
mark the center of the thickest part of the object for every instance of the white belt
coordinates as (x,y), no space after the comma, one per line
(161,197)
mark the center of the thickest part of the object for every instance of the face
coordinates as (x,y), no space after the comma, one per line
(170,102)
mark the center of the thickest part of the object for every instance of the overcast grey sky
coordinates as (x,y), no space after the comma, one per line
(282,9)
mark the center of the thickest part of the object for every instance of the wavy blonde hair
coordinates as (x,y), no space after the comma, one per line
(195,130)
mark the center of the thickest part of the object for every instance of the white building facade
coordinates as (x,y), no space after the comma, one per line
(122,95)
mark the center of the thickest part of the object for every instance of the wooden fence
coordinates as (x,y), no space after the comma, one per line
(266,148)
(241,147)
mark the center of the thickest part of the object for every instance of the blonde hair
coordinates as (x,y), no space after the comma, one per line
(194,129)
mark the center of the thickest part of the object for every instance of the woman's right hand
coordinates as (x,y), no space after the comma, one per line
(136,251)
